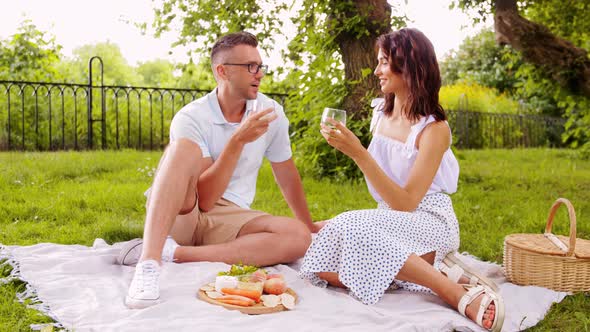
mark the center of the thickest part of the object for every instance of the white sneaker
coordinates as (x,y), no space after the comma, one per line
(131,251)
(144,290)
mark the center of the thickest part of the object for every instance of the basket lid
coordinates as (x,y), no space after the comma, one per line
(542,244)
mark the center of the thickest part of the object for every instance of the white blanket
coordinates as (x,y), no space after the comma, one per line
(83,289)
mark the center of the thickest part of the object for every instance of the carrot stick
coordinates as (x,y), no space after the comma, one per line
(252,294)
(235,297)
(237,302)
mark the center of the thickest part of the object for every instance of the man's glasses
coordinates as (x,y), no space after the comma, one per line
(253,68)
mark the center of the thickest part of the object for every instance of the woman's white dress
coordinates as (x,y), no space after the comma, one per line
(367,248)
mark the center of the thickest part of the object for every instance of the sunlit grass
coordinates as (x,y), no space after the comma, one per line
(75,197)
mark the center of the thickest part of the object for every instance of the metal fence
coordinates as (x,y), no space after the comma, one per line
(476,130)
(61,116)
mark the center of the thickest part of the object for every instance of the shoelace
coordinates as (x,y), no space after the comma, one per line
(147,279)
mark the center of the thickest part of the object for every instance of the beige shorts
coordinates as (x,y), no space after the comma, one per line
(219,225)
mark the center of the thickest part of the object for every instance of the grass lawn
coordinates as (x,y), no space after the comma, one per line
(75,197)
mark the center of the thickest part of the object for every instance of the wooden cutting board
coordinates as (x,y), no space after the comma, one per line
(257,309)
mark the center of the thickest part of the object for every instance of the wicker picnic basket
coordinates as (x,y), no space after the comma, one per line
(545,260)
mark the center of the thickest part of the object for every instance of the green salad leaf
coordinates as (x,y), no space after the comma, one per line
(239,269)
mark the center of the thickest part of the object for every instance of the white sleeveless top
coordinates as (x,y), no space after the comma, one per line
(396,158)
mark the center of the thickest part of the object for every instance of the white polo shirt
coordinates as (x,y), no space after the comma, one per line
(202,122)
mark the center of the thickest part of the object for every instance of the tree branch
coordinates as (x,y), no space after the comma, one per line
(567,64)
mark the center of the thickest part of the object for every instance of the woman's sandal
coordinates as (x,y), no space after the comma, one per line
(454,269)
(488,297)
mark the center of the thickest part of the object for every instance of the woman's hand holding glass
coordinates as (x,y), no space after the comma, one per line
(341,138)
(335,114)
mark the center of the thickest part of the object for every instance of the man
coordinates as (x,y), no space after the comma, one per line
(206,180)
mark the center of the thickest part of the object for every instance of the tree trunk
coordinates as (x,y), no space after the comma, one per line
(567,64)
(358,53)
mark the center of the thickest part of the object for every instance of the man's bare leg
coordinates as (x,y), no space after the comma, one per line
(263,241)
(173,191)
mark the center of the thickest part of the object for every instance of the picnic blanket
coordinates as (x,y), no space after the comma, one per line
(83,290)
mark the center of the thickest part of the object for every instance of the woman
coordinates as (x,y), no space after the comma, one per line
(410,169)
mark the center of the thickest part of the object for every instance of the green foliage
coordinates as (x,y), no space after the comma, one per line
(577,112)
(116,69)
(196,76)
(568,19)
(157,73)
(322,84)
(538,92)
(543,93)
(313,90)
(62,110)
(206,21)
(29,55)
(479,59)
(163,73)
(316,90)
(317,158)
(75,197)
(483,8)
(496,125)
(469,96)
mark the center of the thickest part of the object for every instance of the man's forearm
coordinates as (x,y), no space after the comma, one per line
(214,180)
(295,198)
(291,187)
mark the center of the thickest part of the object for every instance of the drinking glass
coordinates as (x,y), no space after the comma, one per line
(336,114)
(265,104)
(252,105)
(255,105)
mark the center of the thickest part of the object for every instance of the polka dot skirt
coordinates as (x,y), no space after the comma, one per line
(367,248)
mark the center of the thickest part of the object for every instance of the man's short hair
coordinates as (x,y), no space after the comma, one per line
(230,41)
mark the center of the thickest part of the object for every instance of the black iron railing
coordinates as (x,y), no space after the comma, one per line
(62,116)
(476,130)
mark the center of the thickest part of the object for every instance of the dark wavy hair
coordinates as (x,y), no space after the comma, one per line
(412,55)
